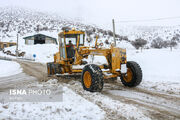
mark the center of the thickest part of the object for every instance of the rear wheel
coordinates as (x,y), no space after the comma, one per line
(133,77)
(92,78)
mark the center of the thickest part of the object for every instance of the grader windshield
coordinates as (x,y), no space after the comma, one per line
(74,39)
(68,39)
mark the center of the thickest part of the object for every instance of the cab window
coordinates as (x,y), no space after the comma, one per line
(73,38)
(81,42)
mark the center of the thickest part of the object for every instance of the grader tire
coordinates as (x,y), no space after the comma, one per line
(133,76)
(92,78)
(50,69)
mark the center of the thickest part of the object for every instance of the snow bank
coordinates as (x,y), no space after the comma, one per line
(44,53)
(125,45)
(9,68)
(73,106)
(160,68)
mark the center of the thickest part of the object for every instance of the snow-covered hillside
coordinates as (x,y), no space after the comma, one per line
(28,22)
(150,33)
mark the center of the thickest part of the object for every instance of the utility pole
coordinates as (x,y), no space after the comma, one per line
(114,32)
(17,45)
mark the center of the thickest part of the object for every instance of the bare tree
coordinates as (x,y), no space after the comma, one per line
(139,43)
(157,43)
(173,42)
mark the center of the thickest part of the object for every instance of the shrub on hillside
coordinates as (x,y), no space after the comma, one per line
(106,41)
(65,28)
(94,30)
(176,37)
(110,33)
(173,43)
(89,32)
(157,43)
(139,43)
(105,33)
(123,38)
(89,39)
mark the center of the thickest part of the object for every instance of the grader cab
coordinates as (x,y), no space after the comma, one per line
(72,52)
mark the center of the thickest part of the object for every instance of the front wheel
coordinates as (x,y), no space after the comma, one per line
(92,78)
(133,77)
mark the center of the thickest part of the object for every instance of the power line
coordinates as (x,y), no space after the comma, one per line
(148,20)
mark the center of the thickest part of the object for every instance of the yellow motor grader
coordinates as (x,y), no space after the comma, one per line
(72,52)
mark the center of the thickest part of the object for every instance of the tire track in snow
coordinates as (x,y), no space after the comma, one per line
(168,96)
(149,108)
(10,82)
(37,70)
(166,106)
(115,110)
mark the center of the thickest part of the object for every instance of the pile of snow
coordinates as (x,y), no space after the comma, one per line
(9,68)
(73,106)
(125,45)
(44,52)
(160,68)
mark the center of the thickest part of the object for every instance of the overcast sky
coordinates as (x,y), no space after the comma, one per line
(102,11)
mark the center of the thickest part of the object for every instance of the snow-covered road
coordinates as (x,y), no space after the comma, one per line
(121,102)
(11,75)
(9,68)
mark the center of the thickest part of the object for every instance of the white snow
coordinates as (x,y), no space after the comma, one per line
(73,106)
(9,68)
(99,60)
(144,98)
(44,53)
(121,109)
(160,68)
(125,45)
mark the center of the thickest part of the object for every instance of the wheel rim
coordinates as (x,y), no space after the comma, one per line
(87,79)
(128,77)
